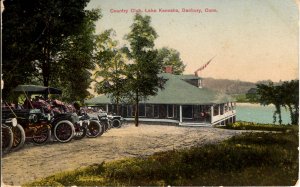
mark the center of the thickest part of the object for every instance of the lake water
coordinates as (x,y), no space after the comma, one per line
(260,114)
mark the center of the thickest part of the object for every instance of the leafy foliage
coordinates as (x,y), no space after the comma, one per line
(76,60)
(251,95)
(37,37)
(19,44)
(286,95)
(142,74)
(112,67)
(171,57)
(290,99)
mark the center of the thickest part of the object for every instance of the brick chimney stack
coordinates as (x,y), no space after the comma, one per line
(169,69)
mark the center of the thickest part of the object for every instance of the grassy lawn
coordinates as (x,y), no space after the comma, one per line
(260,158)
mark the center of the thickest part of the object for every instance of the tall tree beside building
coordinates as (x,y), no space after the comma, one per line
(76,59)
(33,32)
(142,74)
(171,57)
(111,68)
(19,45)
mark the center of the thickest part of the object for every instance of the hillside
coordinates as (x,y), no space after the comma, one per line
(228,86)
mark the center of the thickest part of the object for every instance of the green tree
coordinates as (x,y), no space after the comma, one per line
(171,57)
(76,60)
(284,95)
(270,94)
(142,74)
(111,64)
(290,97)
(33,32)
(56,20)
(251,95)
(19,44)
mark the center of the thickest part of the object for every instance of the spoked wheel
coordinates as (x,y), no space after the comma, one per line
(116,123)
(19,137)
(94,129)
(6,139)
(42,135)
(64,131)
(80,132)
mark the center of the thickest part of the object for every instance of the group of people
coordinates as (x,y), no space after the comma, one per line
(47,105)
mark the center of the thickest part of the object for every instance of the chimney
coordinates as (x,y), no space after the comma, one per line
(169,69)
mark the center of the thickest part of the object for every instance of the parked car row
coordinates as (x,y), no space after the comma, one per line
(19,126)
(39,120)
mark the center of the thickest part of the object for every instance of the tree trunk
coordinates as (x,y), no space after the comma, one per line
(291,114)
(278,110)
(294,115)
(45,68)
(136,116)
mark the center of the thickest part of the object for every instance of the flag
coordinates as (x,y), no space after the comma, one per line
(203,67)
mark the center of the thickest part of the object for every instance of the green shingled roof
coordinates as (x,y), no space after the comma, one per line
(177,91)
(188,77)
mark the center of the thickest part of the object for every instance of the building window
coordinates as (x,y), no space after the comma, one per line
(149,111)
(170,111)
(176,111)
(162,111)
(156,111)
(187,111)
(142,111)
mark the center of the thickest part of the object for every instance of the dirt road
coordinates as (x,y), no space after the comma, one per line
(33,162)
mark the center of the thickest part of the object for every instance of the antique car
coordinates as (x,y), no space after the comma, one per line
(38,123)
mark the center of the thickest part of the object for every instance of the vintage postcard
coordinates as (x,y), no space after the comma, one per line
(150,93)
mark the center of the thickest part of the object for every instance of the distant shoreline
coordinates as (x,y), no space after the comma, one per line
(248,104)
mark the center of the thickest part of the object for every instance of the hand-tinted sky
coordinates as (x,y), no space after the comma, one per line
(252,39)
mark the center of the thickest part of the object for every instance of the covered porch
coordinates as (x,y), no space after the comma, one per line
(187,115)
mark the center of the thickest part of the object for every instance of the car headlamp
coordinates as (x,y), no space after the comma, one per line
(14,122)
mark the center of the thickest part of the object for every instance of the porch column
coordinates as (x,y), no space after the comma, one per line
(180,113)
(107,108)
(219,109)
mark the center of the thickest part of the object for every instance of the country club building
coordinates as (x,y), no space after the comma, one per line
(183,101)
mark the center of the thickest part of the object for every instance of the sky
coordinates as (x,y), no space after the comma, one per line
(251,40)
